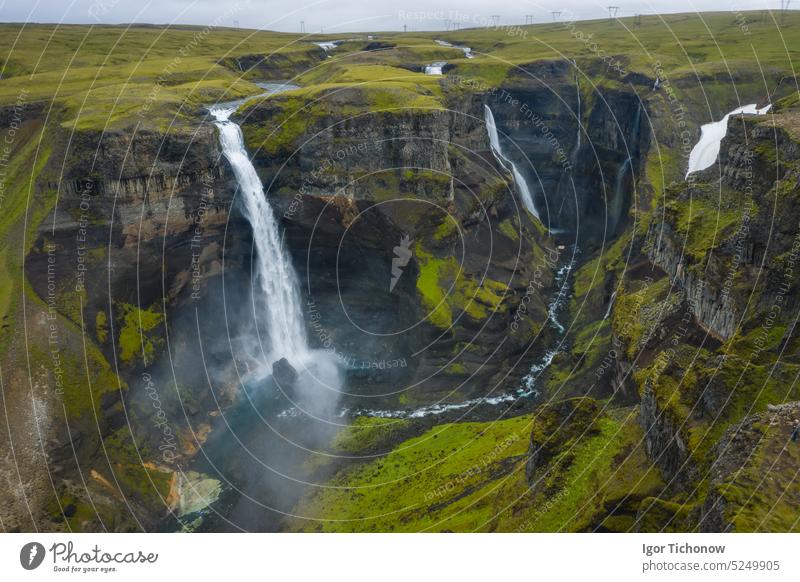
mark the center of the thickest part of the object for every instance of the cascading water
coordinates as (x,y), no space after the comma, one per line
(277,302)
(519,180)
(616,206)
(610,304)
(559,299)
(465,49)
(578,91)
(436,68)
(276,282)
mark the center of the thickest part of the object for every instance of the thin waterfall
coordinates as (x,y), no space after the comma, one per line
(615,208)
(276,282)
(578,91)
(519,180)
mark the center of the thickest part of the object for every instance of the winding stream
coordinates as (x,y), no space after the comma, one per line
(527,388)
(278,298)
(465,49)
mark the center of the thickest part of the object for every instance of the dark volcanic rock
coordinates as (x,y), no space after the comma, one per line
(284,374)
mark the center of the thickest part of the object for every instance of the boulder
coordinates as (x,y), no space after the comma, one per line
(284,374)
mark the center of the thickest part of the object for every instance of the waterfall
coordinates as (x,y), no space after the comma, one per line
(465,49)
(578,91)
(610,304)
(328,46)
(615,208)
(276,287)
(436,68)
(519,180)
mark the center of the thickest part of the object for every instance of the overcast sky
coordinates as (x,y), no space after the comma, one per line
(344,15)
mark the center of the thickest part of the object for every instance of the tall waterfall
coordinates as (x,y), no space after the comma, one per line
(615,207)
(519,180)
(578,91)
(276,287)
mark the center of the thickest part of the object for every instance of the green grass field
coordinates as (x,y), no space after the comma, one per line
(112,76)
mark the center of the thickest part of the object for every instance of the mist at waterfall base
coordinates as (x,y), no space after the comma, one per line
(278,328)
(240,330)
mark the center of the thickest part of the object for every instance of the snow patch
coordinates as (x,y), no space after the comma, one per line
(705,152)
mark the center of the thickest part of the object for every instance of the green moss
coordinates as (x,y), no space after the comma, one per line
(447,228)
(577,471)
(456,368)
(101,326)
(444,288)
(368,434)
(21,196)
(762,494)
(471,477)
(509,229)
(702,224)
(662,515)
(637,313)
(137,477)
(417,485)
(135,337)
(430,288)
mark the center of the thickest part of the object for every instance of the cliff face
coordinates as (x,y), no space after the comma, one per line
(761,449)
(422,273)
(580,147)
(463,310)
(135,239)
(146,234)
(728,251)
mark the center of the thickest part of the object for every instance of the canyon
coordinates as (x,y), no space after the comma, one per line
(489,297)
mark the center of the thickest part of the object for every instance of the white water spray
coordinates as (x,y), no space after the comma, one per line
(578,91)
(519,180)
(436,68)
(465,49)
(276,281)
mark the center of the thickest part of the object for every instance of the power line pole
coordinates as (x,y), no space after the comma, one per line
(612,12)
(405,28)
(784,9)
(556,15)
(495,20)
(637,20)
(528,19)
(302,27)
